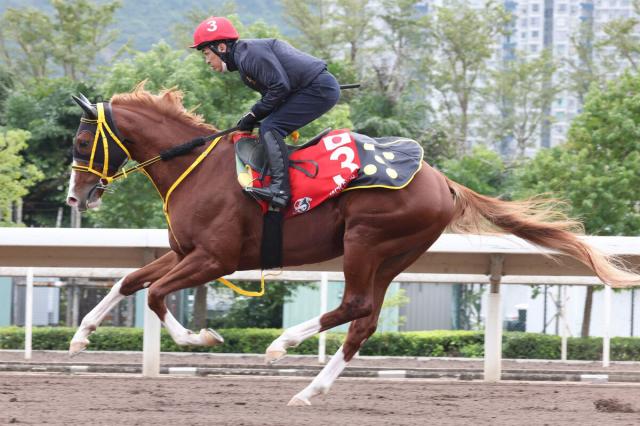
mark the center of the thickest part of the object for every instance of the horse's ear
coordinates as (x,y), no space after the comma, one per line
(85,104)
(84,98)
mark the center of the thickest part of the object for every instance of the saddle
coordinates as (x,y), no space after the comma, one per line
(251,152)
(331,162)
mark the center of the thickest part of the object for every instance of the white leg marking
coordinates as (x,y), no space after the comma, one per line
(292,337)
(72,184)
(93,319)
(182,336)
(323,381)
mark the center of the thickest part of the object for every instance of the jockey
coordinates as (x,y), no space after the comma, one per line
(296,89)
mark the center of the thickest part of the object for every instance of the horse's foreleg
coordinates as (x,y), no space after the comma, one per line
(124,287)
(194,270)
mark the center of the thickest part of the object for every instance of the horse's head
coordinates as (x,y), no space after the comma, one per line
(98,154)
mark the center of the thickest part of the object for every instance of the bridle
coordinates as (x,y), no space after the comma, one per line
(103,158)
(105,131)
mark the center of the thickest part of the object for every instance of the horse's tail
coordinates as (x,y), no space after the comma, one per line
(535,220)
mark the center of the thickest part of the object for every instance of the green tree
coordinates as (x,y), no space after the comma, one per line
(45,109)
(16,175)
(483,171)
(587,66)
(621,35)
(319,33)
(521,89)
(36,45)
(597,169)
(355,20)
(80,33)
(24,43)
(6,85)
(463,38)
(393,60)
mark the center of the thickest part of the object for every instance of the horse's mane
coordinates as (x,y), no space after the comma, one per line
(167,102)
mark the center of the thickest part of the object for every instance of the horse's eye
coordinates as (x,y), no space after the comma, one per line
(83,144)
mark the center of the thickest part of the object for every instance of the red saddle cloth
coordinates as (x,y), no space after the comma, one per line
(328,166)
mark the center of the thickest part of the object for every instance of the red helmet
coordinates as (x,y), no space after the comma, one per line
(212,29)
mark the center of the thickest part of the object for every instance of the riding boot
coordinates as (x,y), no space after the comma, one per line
(279,192)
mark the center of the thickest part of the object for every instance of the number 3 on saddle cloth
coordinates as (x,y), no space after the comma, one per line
(339,161)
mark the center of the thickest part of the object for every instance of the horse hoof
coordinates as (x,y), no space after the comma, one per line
(210,337)
(295,401)
(76,347)
(274,356)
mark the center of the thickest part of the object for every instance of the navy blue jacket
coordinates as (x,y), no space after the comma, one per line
(275,69)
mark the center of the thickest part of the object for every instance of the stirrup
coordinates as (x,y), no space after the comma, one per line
(276,200)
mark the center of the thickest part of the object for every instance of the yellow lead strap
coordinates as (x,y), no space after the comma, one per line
(165,208)
(244,292)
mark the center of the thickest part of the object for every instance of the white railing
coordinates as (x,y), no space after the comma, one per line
(452,259)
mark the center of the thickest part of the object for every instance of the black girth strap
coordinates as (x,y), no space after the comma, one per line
(271,247)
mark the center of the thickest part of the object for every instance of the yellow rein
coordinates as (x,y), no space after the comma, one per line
(100,132)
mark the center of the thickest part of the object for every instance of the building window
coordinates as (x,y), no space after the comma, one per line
(534,21)
(533,47)
(535,34)
(562,8)
(535,8)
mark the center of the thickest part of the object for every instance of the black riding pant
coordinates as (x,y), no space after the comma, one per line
(303,106)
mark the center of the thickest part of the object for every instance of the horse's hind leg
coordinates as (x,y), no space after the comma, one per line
(359,331)
(124,287)
(357,302)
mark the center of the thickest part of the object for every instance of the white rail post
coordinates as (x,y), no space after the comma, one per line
(563,323)
(28,315)
(322,339)
(493,325)
(606,335)
(151,342)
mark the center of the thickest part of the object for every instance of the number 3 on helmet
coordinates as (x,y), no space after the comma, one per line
(213,29)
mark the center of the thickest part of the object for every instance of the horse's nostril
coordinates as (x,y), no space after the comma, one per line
(72,201)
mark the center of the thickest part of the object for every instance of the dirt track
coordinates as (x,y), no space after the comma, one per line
(131,400)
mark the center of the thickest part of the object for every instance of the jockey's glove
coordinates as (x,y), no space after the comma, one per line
(247,122)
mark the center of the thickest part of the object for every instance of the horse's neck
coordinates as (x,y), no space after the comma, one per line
(152,137)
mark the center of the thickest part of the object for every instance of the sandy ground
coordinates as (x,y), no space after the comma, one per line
(217,400)
(203,359)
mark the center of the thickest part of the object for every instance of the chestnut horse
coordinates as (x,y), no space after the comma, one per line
(215,229)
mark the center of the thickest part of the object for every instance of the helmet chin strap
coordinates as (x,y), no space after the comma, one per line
(225,56)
